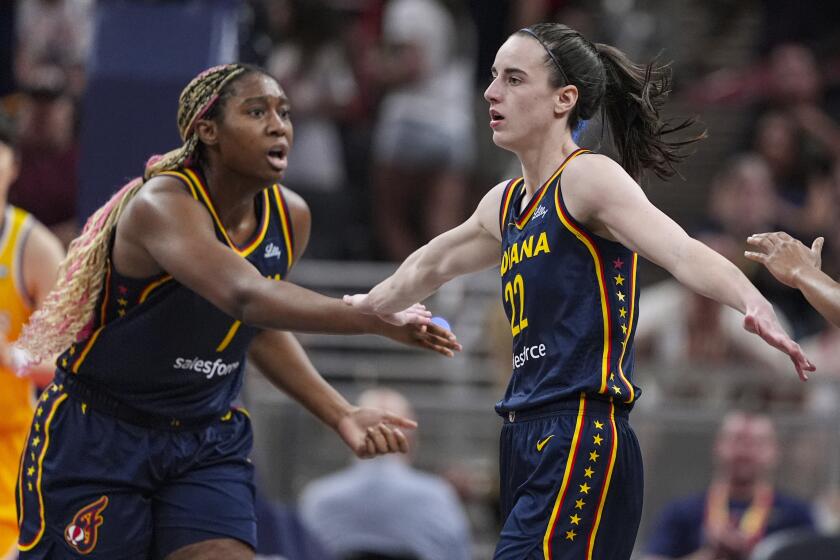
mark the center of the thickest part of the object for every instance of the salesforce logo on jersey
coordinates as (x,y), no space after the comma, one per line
(535,352)
(210,369)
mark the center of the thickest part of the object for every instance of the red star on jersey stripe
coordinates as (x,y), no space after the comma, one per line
(618,263)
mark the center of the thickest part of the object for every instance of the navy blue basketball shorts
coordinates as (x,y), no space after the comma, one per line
(97,486)
(571,483)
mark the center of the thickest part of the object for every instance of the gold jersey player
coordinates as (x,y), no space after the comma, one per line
(567,236)
(29,259)
(135,451)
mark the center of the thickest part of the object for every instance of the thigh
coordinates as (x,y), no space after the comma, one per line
(583,500)
(81,488)
(622,509)
(212,497)
(535,455)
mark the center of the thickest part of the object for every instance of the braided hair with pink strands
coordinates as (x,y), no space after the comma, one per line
(67,313)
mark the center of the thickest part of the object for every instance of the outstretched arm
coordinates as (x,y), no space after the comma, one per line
(601,195)
(797,266)
(366,431)
(165,229)
(472,246)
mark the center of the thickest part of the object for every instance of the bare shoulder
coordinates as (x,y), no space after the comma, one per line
(594,169)
(595,188)
(162,197)
(596,179)
(493,198)
(163,211)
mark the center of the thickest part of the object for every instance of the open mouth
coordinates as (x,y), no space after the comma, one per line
(495,117)
(277,158)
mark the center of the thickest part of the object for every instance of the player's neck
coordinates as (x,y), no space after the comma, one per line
(541,162)
(232,194)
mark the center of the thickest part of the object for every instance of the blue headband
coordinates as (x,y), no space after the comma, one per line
(550,54)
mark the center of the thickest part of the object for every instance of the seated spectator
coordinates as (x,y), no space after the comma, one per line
(741,505)
(49,156)
(424,143)
(53,39)
(378,509)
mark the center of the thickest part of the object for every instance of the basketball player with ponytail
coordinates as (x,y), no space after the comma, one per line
(571,230)
(135,451)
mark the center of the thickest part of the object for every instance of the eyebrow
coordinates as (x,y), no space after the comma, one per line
(263,98)
(511,70)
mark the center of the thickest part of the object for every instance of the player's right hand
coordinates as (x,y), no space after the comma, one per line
(762,320)
(783,255)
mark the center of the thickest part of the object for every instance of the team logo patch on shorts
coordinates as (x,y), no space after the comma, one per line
(83,531)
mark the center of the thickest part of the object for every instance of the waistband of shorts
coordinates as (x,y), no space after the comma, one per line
(595,404)
(100,400)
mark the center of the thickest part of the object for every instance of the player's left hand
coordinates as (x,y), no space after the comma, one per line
(371,431)
(762,321)
(783,255)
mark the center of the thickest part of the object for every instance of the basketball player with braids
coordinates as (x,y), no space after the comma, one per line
(571,230)
(134,451)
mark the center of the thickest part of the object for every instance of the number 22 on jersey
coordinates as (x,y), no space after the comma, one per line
(515,296)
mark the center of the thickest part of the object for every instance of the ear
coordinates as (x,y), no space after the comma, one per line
(207,131)
(565,99)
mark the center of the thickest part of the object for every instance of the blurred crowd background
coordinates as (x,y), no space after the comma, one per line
(83,80)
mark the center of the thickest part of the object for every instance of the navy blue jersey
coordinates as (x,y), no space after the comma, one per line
(571,300)
(160,347)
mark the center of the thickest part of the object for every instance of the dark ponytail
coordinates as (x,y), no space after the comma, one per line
(632,100)
(629,97)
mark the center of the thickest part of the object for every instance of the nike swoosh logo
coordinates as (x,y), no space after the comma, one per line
(541,444)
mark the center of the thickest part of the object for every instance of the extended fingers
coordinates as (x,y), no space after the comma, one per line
(441,345)
(400,421)
(764,241)
(757,257)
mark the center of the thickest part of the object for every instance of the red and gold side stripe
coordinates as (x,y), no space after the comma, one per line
(631,392)
(152,286)
(184,179)
(42,525)
(507,195)
(602,287)
(567,473)
(606,487)
(286,224)
(102,316)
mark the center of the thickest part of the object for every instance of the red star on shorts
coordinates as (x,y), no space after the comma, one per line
(123,290)
(618,263)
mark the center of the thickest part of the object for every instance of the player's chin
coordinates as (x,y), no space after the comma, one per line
(504,140)
(274,173)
